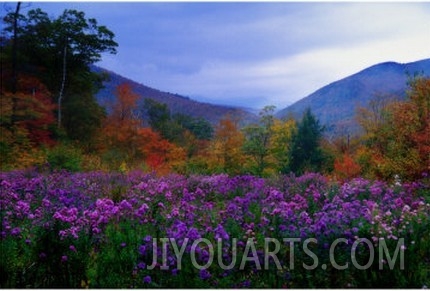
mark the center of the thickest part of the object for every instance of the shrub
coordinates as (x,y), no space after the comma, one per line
(65,157)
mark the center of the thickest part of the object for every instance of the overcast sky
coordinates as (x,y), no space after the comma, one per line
(253,54)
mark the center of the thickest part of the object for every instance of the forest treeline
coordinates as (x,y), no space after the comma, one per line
(50,118)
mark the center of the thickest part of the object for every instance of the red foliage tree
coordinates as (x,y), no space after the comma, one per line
(346,168)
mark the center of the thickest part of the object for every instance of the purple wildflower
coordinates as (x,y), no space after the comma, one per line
(204,274)
(220,233)
(142,249)
(142,210)
(125,205)
(246,284)
(147,279)
(16,231)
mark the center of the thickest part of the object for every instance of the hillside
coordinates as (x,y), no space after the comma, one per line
(335,104)
(177,103)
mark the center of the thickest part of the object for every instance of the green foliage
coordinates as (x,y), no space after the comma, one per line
(257,141)
(173,127)
(199,127)
(306,153)
(82,118)
(42,41)
(114,262)
(15,261)
(34,261)
(196,165)
(159,116)
(59,53)
(65,157)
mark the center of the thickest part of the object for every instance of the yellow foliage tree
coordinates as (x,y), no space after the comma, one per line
(282,133)
(225,151)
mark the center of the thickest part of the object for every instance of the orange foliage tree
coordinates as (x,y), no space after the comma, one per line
(419,96)
(346,168)
(128,143)
(120,129)
(397,140)
(160,155)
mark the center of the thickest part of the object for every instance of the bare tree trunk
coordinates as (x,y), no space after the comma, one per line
(60,97)
(14,63)
(15,48)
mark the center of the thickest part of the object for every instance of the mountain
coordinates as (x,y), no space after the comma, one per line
(176,103)
(335,104)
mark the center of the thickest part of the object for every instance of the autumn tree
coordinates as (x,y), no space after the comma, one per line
(397,140)
(120,129)
(281,142)
(419,99)
(31,110)
(159,154)
(225,151)
(373,118)
(128,143)
(345,167)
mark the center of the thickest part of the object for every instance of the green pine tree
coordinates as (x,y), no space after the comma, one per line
(306,153)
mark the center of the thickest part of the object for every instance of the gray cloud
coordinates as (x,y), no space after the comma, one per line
(255,54)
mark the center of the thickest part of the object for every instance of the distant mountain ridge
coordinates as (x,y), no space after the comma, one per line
(335,104)
(176,103)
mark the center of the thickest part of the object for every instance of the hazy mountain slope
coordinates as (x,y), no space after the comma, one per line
(177,103)
(335,104)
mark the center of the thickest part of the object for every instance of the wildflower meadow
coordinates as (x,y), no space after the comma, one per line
(139,230)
